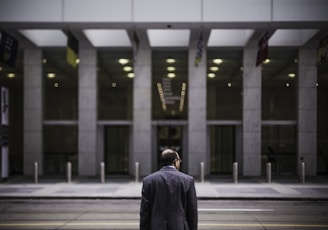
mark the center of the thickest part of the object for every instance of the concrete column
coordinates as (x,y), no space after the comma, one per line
(33,151)
(196,91)
(142,112)
(251,114)
(307,110)
(87,137)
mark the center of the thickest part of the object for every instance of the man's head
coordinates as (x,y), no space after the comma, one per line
(170,157)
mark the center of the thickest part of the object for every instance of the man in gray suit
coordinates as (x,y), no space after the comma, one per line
(169,199)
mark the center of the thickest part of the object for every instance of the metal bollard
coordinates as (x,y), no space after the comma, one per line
(36,172)
(268,172)
(302,174)
(102,172)
(69,172)
(235,172)
(202,174)
(137,172)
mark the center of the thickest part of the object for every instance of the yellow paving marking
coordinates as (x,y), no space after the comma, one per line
(137,224)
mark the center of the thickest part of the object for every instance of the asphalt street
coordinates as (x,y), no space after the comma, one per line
(94,214)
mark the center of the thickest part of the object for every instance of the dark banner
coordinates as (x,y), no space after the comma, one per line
(322,55)
(72,50)
(8,49)
(263,48)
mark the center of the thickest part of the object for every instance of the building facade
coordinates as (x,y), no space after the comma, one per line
(139,88)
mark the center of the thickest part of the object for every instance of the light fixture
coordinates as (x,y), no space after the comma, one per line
(113,84)
(56,84)
(0,68)
(171,75)
(170,60)
(11,75)
(170,68)
(77,61)
(44,60)
(51,75)
(287,84)
(217,61)
(123,61)
(214,68)
(317,84)
(291,75)
(130,75)
(229,84)
(127,68)
(211,75)
(267,61)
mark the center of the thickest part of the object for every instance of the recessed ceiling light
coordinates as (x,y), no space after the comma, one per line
(229,84)
(291,75)
(114,84)
(11,75)
(127,68)
(170,68)
(170,60)
(171,75)
(51,75)
(214,68)
(211,75)
(130,75)
(217,61)
(123,61)
(267,61)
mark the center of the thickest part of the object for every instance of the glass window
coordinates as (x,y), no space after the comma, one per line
(322,135)
(60,147)
(12,79)
(170,85)
(60,86)
(224,85)
(279,148)
(279,75)
(115,83)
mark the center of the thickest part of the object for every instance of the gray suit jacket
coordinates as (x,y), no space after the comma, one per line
(168,201)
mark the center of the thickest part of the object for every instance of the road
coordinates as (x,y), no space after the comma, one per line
(124,214)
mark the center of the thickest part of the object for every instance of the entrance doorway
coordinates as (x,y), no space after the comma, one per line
(117,149)
(169,136)
(222,148)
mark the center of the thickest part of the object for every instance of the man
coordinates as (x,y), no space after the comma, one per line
(169,199)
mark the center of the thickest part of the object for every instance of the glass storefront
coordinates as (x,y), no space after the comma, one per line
(279,111)
(224,106)
(60,105)
(322,114)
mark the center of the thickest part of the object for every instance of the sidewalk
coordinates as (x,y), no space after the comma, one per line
(315,188)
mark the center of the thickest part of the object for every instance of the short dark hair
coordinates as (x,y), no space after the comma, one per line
(168,156)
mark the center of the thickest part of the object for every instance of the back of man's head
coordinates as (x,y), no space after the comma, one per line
(168,156)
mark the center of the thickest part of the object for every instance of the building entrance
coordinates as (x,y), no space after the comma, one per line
(117,149)
(222,149)
(169,136)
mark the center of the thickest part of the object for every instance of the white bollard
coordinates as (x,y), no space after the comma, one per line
(235,172)
(202,174)
(36,172)
(102,172)
(69,172)
(137,172)
(268,172)
(302,172)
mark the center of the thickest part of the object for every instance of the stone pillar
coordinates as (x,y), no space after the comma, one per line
(196,90)
(251,165)
(33,136)
(307,110)
(87,129)
(141,137)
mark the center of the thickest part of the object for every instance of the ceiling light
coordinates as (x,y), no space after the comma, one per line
(51,75)
(229,84)
(130,75)
(44,60)
(0,68)
(214,68)
(291,75)
(170,68)
(114,84)
(127,68)
(123,61)
(170,60)
(267,61)
(171,75)
(11,75)
(56,85)
(211,75)
(287,84)
(317,84)
(217,61)
(77,61)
